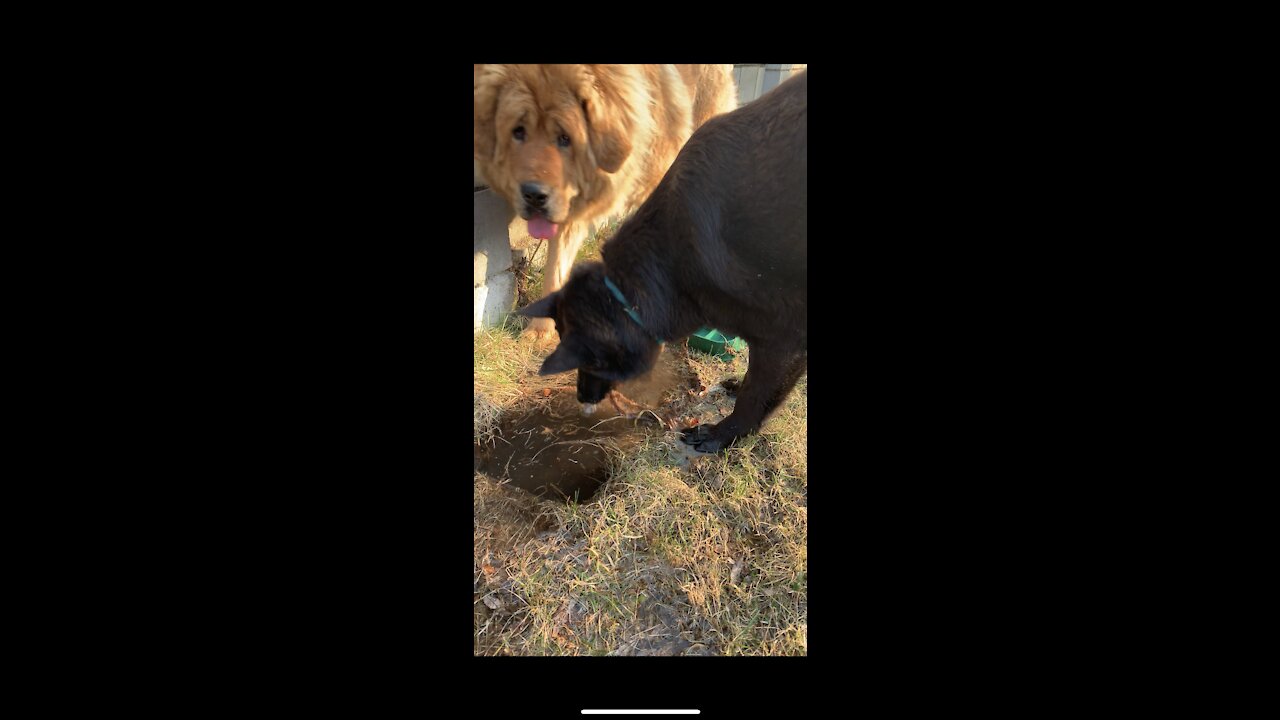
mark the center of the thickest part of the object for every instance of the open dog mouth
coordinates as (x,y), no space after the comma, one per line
(540,226)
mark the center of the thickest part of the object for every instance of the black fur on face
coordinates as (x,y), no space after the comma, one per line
(592,388)
(597,338)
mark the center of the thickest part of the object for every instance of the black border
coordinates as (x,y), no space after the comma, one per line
(282,358)
(717,686)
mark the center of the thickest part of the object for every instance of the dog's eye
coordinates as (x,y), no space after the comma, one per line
(563,140)
(518,133)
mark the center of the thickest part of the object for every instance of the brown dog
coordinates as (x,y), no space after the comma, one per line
(571,145)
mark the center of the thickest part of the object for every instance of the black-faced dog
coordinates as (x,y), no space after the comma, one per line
(722,242)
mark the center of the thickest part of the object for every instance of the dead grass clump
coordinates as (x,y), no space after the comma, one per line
(671,557)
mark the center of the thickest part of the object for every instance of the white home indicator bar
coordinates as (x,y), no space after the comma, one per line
(641,712)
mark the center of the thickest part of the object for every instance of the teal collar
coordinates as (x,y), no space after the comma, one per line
(628,308)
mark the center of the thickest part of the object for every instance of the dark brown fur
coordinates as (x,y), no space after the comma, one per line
(722,241)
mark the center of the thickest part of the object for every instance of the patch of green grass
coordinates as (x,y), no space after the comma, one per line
(499,361)
(590,249)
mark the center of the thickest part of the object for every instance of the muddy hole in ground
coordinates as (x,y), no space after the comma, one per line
(548,447)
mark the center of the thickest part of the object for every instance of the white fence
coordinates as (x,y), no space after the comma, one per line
(756,80)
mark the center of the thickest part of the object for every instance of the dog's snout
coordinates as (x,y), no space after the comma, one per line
(535,195)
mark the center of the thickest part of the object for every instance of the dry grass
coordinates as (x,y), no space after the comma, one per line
(537,252)
(670,557)
(501,361)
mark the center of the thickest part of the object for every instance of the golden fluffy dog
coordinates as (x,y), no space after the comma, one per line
(571,145)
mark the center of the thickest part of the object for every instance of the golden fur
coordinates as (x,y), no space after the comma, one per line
(593,140)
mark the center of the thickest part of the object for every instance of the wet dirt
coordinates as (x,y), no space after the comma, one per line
(548,447)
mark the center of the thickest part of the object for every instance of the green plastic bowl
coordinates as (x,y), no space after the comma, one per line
(710,340)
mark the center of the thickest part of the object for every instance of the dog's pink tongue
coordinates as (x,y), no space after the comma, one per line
(542,228)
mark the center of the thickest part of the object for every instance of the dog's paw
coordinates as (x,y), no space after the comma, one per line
(540,331)
(703,438)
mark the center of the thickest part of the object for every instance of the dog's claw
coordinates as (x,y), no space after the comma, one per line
(702,439)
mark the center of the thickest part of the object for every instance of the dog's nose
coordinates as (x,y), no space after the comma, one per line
(535,195)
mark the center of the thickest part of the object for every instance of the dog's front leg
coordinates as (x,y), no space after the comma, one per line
(771,374)
(562,248)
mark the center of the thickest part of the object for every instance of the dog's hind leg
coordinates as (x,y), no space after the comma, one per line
(561,251)
(771,375)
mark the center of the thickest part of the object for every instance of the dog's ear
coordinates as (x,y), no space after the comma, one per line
(608,124)
(562,360)
(486,81)
(546,307)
